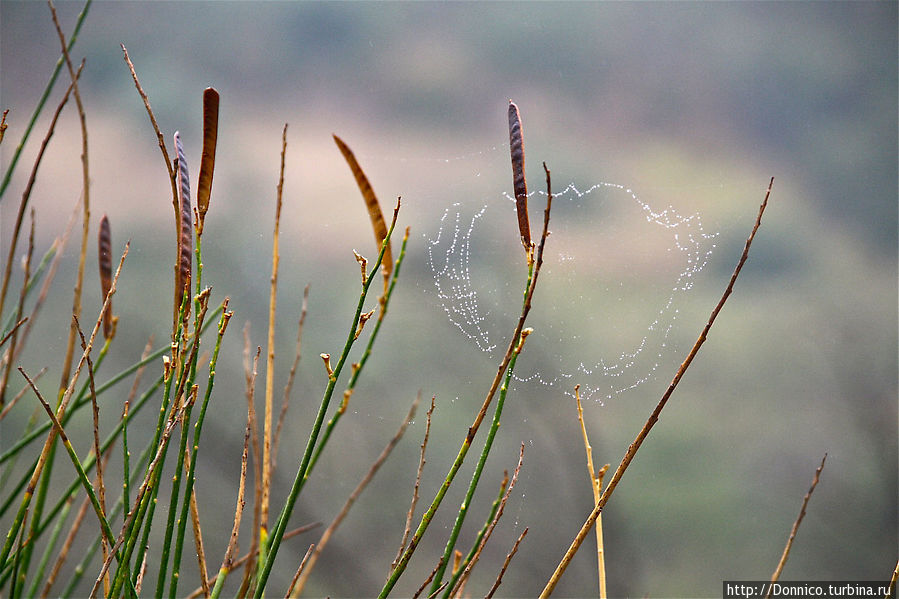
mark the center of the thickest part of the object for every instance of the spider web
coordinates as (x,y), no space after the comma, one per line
(615,271)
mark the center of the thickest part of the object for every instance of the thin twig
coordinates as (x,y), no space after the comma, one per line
(20,216)
(494,387)
(142,491)
(508,560)
(421,466)
(19,309)
(290,377)
(12,330)
(104,525)
(250,375)
(198,538)
(246,556)
(86,205)
(159,137)
(101,487)
(795,529)
(18,396)
(596,486)
(39,107)
(499,514)
(893,579)
(58,246)
(267,431)
(227,565)
(654,417)
(329,532)
(70,538)
(305,463)
(60,413)
(300,569)
(429,579)
(66,546)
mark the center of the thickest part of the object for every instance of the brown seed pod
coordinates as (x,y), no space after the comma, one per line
(207,163)
(519,184)
(104,243)
(185,221)
(374,209)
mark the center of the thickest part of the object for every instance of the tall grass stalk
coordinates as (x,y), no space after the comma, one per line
(476,475)
(281,526)
(39,107)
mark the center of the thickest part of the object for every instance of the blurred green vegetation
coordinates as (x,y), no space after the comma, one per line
(693,105)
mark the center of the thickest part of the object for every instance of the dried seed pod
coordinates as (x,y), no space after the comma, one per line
(374,209)
(185,220)
(519,184)
(207,163)
(104,243)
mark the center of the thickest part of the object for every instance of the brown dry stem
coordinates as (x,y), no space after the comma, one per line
(270,355)
(410,515)
(290,377)
(95,408)
(506,562)
(85,223)
(26,194)
(300,569)
(795,529)
(654,417)
(429,579)
(596,486)
(159,137)
(19,309)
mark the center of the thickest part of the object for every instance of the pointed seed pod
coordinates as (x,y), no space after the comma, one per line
(378,224)
(207,163)
(519,184)
(185,220)
(104,243)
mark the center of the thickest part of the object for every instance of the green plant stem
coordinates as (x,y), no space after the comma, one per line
(91,459)
(126,457)
(190,368)
(34,476)
(116,510)
(83,400)
(473,429)
(41,497)
(357,369)
(43,99)
(33,280)
(477,541)
(51,546)
(176,373)
(476,475)
(219,582)
(98,509)
(281,525)
(191,474)
(173,511)
(82,475)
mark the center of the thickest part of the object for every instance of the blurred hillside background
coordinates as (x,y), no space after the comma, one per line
(691,105)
